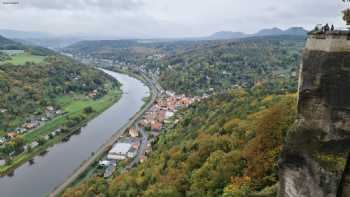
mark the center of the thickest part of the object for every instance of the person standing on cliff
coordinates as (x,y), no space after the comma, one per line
(326,28)
(332,27)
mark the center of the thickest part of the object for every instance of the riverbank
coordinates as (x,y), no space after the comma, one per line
(98,154)
(73,109)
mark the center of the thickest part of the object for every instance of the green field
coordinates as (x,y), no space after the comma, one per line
(22,58)
(74,107)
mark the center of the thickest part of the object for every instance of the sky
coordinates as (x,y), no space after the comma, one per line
(164,18)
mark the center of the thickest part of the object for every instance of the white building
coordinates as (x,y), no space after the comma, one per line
(169,114)
(107,163)
(133,132)
(119,151)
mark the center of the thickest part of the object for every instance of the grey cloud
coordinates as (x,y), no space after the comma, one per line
(165,18)
(81,4)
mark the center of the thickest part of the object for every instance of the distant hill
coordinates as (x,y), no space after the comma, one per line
(40,38)
(296,31)
(226,35)
(17,34)
(8,44)
(222,64)
(270,32)
(4,40)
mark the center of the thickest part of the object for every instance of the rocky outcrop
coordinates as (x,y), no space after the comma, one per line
(315,161)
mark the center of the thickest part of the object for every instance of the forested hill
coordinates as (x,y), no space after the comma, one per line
(224,64)
(198,67)
(4,42)
(7,44)
(29,83)
(227,145)
(126,51)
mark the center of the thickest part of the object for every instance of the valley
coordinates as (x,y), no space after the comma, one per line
(226,129)
(186,98)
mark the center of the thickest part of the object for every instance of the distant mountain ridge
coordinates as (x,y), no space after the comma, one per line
(9,44)
(5,41)
(225,35)
(228,35)
(57,42)
(17,34)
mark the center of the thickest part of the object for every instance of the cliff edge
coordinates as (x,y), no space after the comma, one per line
(315,160)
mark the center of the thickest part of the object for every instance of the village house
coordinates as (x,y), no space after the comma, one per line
(136,145)
(59,112)
(106,163)
(169,114)
(93,94)
(31,125)
(34,144)
(3,140)
(49,115)
(56,132)
(148,148)
(12,135)
(133,132)
(50,108)
(143,158)
(21,130)
(160,115)
(156,126)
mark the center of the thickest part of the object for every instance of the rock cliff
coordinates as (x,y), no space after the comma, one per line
(315,161)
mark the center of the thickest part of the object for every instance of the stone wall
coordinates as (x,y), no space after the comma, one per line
(314,159)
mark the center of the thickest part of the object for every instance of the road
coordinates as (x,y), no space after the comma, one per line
(85,165)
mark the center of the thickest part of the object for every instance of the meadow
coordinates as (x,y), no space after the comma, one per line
(23,58)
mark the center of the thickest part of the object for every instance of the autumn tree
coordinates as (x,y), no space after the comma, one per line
(346,13)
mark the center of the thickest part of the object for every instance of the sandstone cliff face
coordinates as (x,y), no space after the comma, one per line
(315,162)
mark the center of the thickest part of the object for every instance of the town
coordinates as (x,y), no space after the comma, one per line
(134,145)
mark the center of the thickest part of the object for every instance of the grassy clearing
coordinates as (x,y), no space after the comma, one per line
(73,106)
(22,58)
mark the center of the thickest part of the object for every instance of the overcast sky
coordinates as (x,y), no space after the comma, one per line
(164,18)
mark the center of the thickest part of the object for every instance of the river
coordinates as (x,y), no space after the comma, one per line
(50,170)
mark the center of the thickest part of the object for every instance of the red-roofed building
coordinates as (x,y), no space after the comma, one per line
(12,135)
(156,126)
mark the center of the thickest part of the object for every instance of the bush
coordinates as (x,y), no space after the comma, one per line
(41,141)
(88,110)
